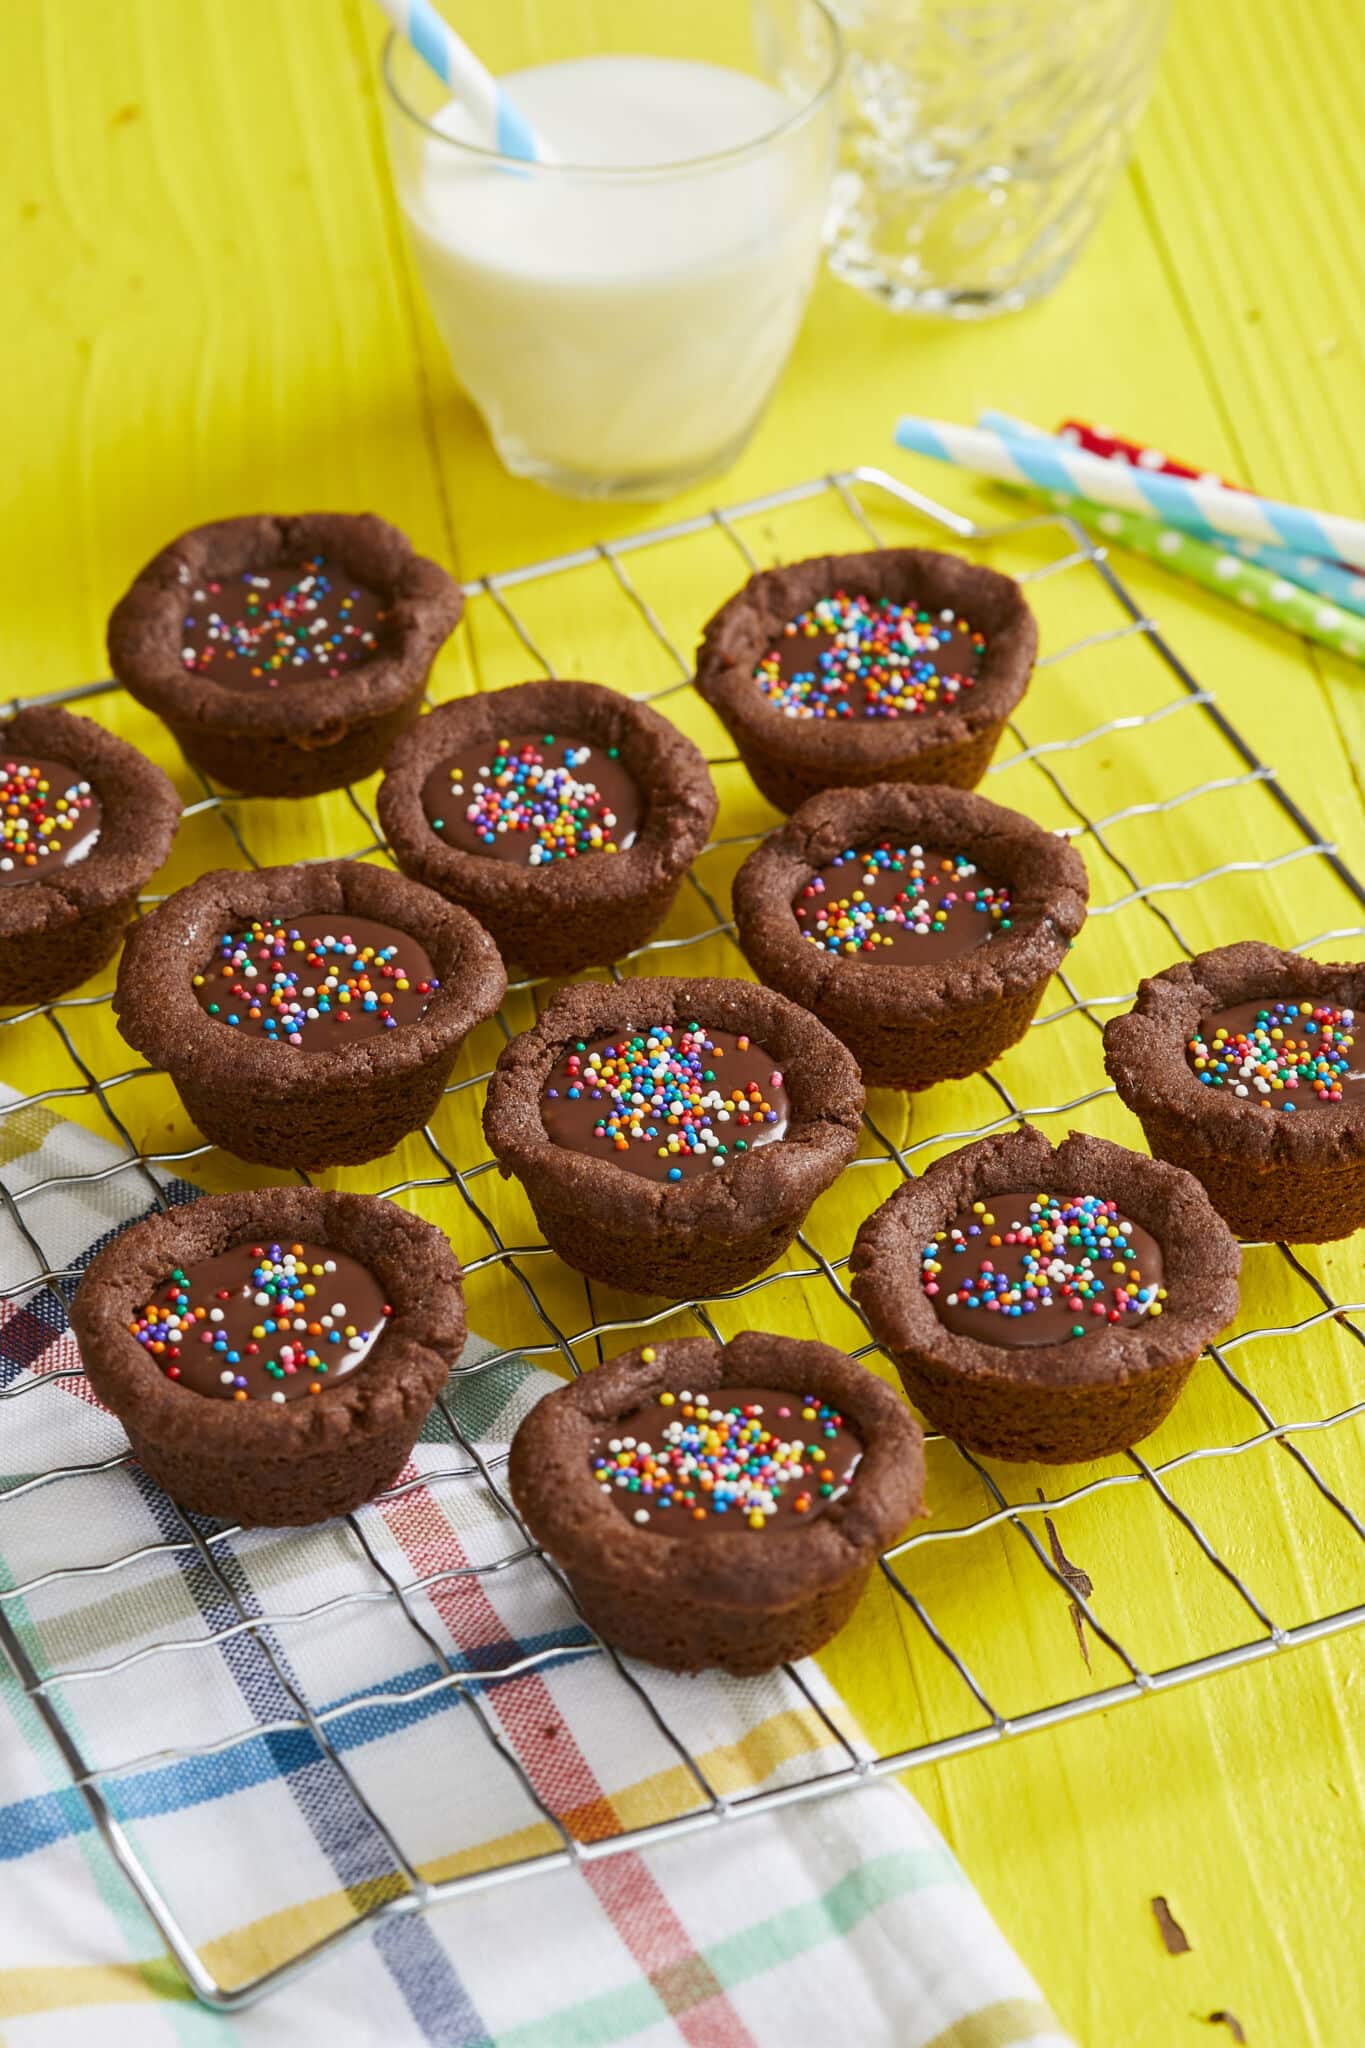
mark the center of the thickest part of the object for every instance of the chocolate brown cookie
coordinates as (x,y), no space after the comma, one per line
(272,1354)
(921,924)
(285,654)
(897,665)
(719,1504)
(1246,1066)
(563,815)
(1046,1304)
(309,1016)
(85,822)
(684,1160)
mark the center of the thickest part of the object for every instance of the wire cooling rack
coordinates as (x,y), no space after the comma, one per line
(1068,1649)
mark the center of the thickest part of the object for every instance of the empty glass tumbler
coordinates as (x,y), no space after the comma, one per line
(981,139)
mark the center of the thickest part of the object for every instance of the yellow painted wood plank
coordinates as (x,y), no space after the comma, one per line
(214,312)
(1252,176)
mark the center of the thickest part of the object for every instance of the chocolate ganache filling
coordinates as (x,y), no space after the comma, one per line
(317,981)
(258,628)
(49,818)
(1020,1270)
(667,1103)
(864,657)
(263,1322)
(732,1458)
(1291,1054)
(533,798)
(907,905)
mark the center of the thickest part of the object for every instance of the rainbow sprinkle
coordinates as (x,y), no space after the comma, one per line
(284,1286)
(306,625)
(522,791)
(284,984)
(1075,1253)
(660,1089)
(724,1461)
(932,889)
(879,666)
(1289,1047)
(35,819)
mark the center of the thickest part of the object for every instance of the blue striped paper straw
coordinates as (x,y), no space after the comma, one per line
(1331,581)
(1203,509)
(470,82)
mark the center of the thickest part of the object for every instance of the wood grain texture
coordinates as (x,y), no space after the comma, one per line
(212,311)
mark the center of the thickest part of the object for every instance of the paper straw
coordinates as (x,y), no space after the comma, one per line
(1099,441)
(1230,575)
(1197,508)
(1216,568)
(470,82)
(1336,581)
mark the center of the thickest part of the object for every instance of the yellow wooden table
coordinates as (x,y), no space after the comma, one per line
(210,310)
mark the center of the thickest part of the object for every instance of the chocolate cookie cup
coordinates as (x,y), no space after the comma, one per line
(586,824)
(241,986)
(1271,1116)
(623,1207)
(285,654)
(745,1587)
(1123,1261)
(85,822)
(939,700)
(929,952)
(264,1456)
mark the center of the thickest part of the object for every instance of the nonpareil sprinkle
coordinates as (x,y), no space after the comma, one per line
(537,800)
(1284,1055)
(668,1101)
(45,810)
(865,902)
(261,628)
(739,1460)
(267,1321)
(1071,1259)
(315,981)
(862,657)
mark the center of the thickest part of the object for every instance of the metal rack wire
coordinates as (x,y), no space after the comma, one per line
(966,1714)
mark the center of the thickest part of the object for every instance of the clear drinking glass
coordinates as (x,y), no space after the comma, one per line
(980,141)
(620,324)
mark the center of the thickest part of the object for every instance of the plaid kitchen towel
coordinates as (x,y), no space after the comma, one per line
(277,1733)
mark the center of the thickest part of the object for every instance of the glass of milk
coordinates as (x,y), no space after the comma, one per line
(621,314)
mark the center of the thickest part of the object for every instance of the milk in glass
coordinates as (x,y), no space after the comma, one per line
(620,316)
